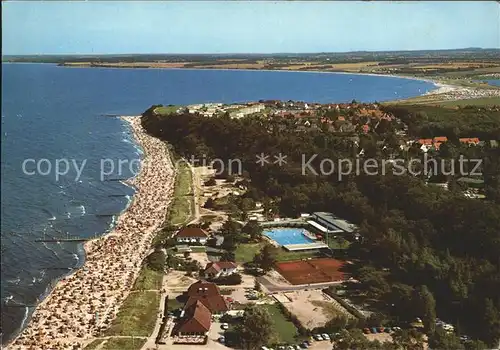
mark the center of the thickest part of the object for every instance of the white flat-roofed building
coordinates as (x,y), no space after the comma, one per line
(333,223)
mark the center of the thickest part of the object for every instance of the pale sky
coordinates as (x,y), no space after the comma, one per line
(119,27)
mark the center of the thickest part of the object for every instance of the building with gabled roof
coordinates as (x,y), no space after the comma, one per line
(219,269)
(196,319)
(207,293)
(192,235)
(470,140)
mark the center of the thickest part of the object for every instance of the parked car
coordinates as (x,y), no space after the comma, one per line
(222,339)
(224,326)
(304,345)
(325,336)
(318,337)
(374,330)
(396,328)
(388,330)
(297,347)
(307,342)
(381,329)
(366,330)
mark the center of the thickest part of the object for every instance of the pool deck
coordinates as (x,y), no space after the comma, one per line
(305,246)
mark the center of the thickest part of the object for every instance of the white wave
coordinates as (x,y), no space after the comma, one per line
(82,210)
(25,318)
(14,281)
(52,250)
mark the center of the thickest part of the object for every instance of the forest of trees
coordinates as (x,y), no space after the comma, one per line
(426,252)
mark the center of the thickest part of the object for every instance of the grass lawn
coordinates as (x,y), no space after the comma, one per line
(486,101)
(198,249)
(148,279)
(246,252)
(173,304)
(338,243)
(283,255)
(436,100)
(137,315)
(166,110)
(94,344)
(285,330)
(182,206)
(124,344)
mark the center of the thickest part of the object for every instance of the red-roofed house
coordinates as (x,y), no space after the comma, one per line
(196,319)
(427,144)
(192,235)
(440,139)
(207,293)
(470,141)
(365,128)
(220,269)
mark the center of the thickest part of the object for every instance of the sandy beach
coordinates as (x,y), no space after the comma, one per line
(84,303)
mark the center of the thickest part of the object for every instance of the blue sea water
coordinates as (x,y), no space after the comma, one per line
(51,112)
(495,82)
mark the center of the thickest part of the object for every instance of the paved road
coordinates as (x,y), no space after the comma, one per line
(273,288)
(151,341)
(196,193)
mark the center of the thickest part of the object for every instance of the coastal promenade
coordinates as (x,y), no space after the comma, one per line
(83,304)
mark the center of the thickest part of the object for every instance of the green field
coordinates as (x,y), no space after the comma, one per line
(486,101)
(124,344)
(285,330)
(94,344)
(148,279)
(174,304)
(245,253)
(182,207)
(165,110)
(137,315)
(437,100)
(288,256)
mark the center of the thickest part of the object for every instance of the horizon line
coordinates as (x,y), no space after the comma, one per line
(250,53)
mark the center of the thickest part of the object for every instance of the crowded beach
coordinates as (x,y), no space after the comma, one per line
(84,304)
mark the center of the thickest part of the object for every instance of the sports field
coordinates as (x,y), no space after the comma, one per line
(311,271)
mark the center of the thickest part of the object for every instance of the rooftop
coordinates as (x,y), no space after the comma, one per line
(192,232)
(342,224)
(209,294)
(196,319)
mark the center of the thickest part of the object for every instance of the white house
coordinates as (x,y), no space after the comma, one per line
(220,269)
(192,235)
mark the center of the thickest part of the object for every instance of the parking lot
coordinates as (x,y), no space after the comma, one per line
(313,308)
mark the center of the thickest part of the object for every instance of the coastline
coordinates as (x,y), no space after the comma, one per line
(84,303)
(442,90)
(434,82)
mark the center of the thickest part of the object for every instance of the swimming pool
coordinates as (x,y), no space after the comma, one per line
(286,236)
